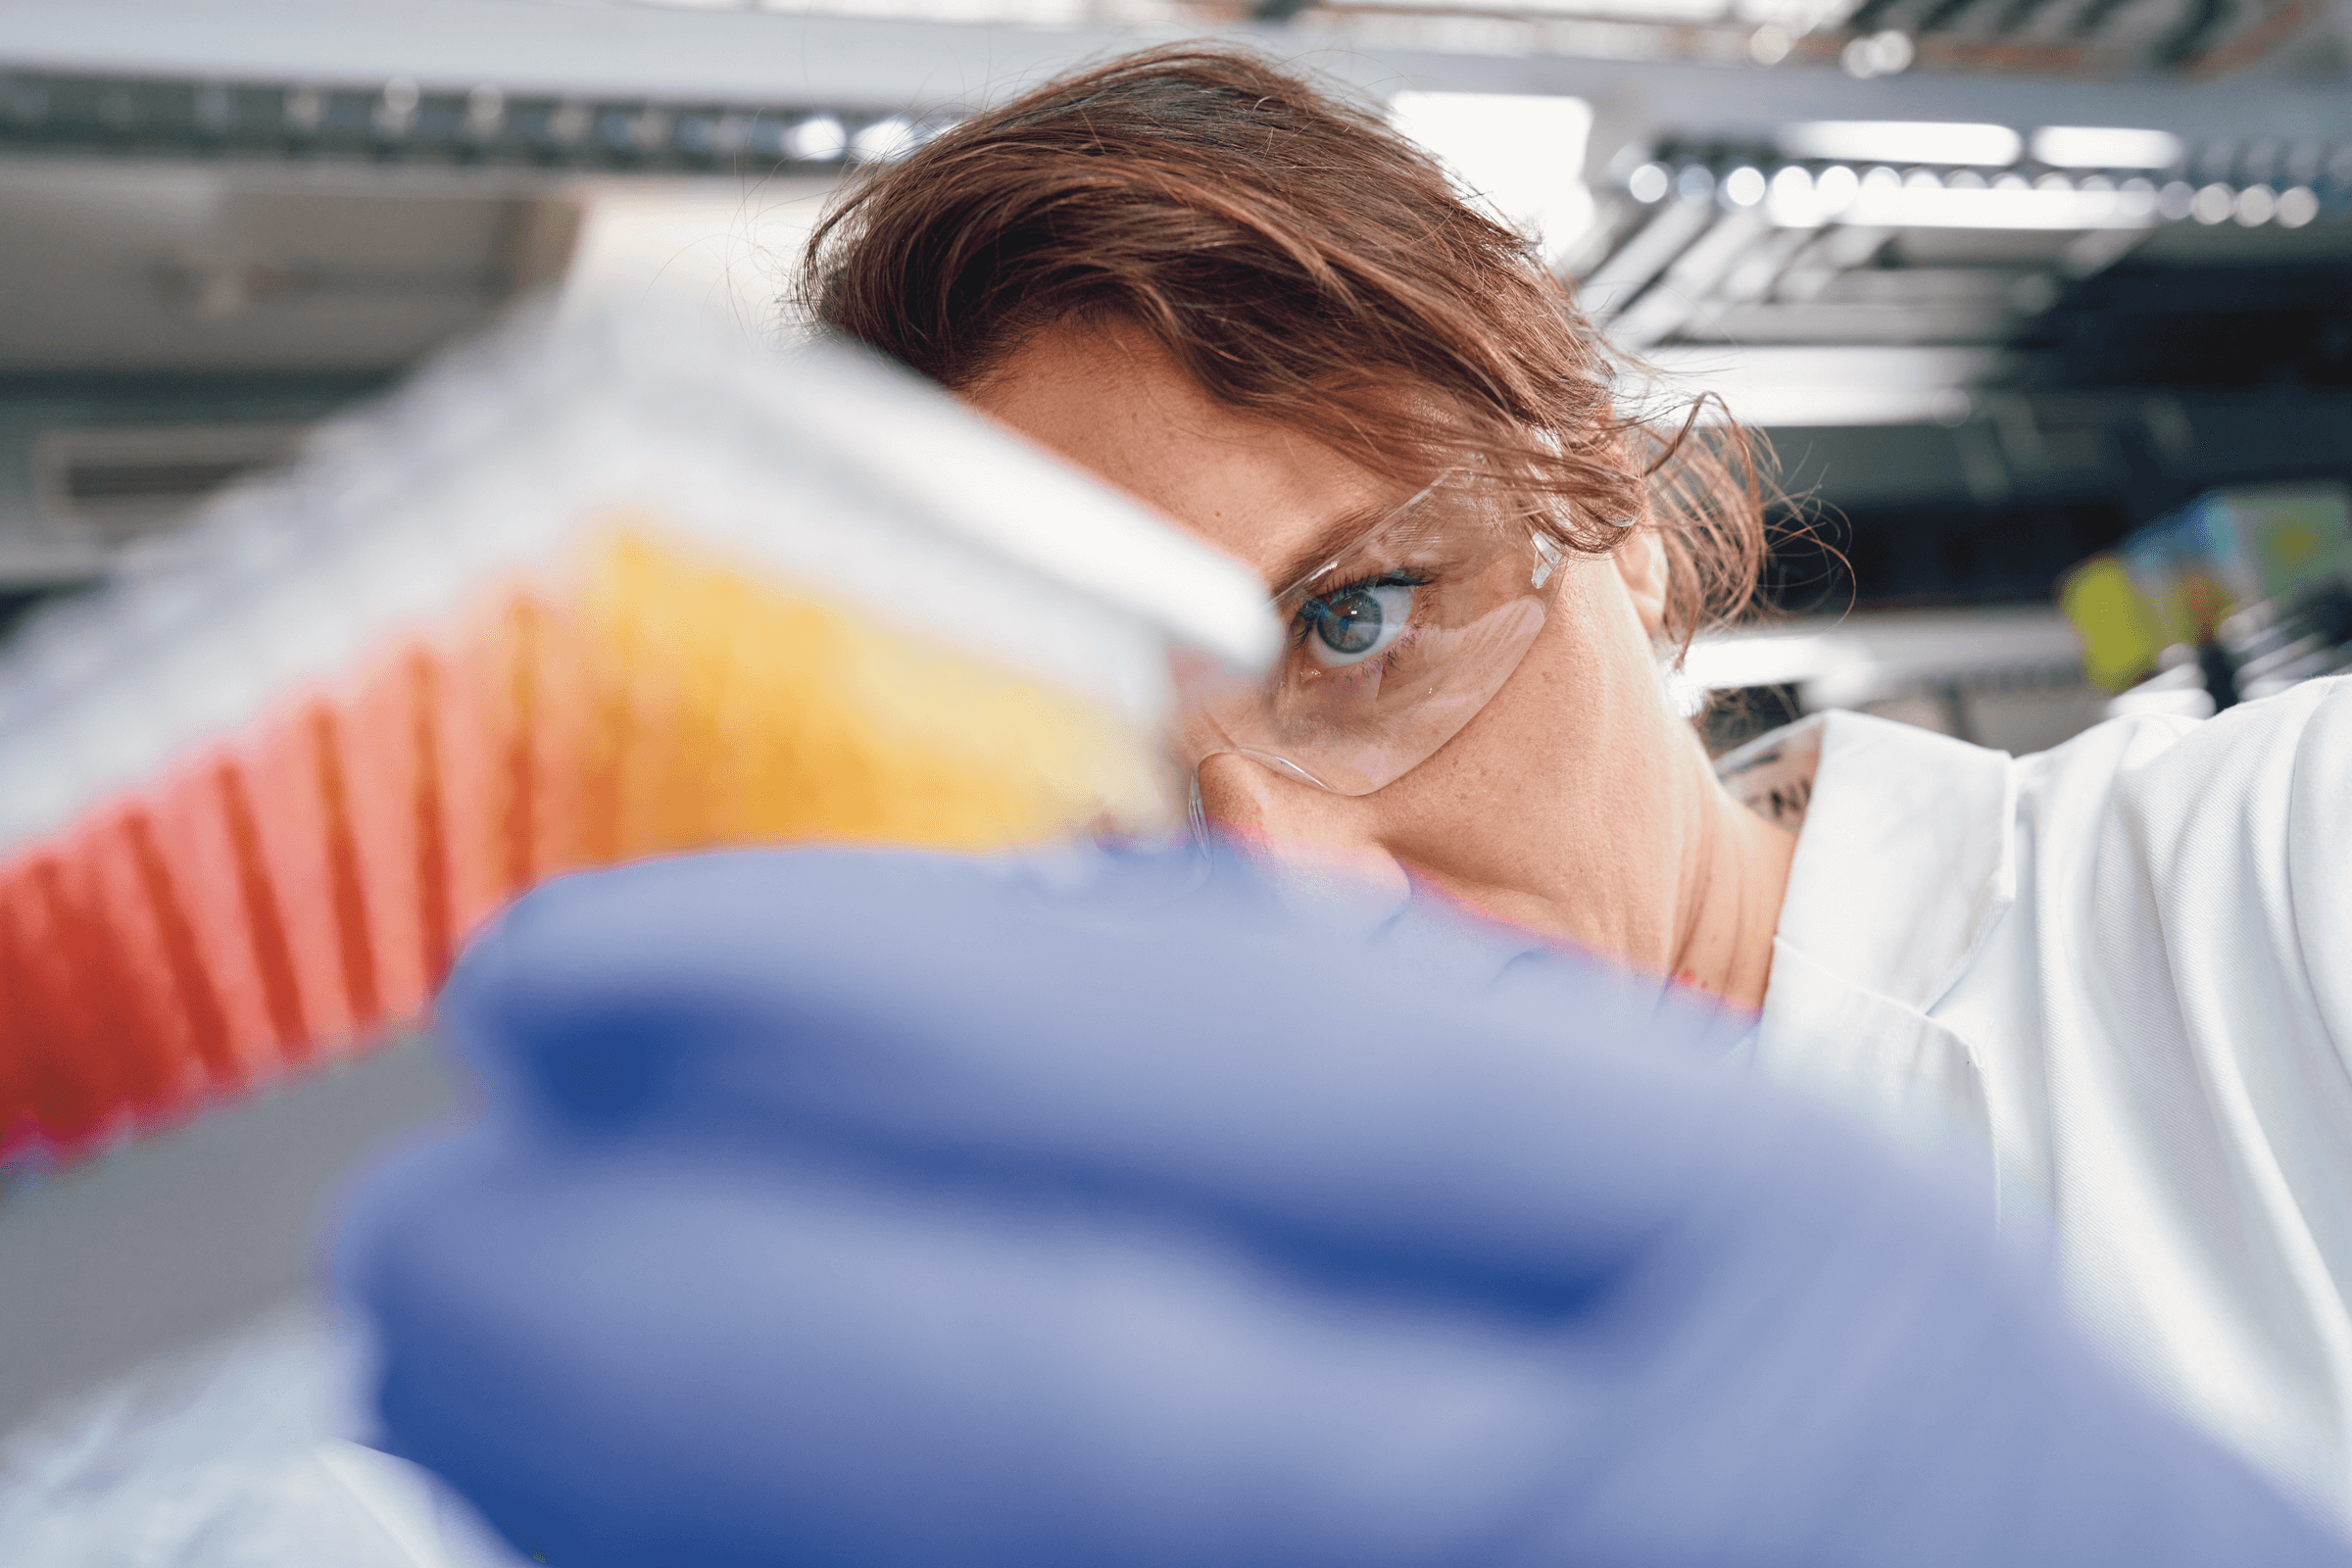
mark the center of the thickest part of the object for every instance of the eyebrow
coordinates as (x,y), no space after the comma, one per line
(1323,552)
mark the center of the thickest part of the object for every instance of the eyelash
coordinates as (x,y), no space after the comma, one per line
(1385,579)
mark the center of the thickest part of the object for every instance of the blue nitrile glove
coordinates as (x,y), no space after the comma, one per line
(847,1208)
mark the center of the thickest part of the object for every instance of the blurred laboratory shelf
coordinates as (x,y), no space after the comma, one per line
(1994,310)
(1988,360)
(2005,676)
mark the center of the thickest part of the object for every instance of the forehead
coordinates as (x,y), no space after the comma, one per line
(1116,404)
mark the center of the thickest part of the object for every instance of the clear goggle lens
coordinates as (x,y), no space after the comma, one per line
(1391,648)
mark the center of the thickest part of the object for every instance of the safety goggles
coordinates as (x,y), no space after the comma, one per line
(1391,646)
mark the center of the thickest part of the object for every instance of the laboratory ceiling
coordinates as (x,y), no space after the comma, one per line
(1989,270)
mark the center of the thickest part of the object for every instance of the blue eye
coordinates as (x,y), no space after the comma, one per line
(1355,623)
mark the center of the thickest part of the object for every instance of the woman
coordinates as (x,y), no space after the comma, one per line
(2121,964)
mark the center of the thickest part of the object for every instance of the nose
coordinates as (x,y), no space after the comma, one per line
(1310,839)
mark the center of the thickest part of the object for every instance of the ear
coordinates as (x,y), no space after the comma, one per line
(1640,558)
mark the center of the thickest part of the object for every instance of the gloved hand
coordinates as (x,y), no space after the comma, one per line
(855,1207)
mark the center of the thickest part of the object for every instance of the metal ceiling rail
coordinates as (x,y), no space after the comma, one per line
(2103,39)
(1706,245)
(667,56)
(400,122)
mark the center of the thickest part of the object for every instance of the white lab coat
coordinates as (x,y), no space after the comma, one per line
(2126,966)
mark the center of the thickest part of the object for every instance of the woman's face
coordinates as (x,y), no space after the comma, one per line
(1567,805)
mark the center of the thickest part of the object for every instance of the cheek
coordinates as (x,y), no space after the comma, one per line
(1538,734)
(1479,813)
(1587,703)
(1565,746)
(1307,840)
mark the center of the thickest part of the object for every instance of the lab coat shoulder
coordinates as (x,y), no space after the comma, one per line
(2126,967)
(2210,862)
(2166,1030)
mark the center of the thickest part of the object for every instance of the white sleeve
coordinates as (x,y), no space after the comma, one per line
(2246,827)
(2195,1005)
(2318,849)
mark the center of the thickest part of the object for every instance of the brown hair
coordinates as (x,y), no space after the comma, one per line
(1303,262)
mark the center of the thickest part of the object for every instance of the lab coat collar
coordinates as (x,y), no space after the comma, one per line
(1905,854)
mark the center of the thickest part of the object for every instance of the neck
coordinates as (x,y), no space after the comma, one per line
(1736,878)
(1681,880)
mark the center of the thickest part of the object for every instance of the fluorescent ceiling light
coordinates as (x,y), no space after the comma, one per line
(1841,384)
(1725,664)
(1923,202)
(2106,147)
(1522,154)
(1902,141)
(1849,659)
(1666,10)
(1933,207)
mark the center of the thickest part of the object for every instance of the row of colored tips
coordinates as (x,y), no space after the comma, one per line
(297,890)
